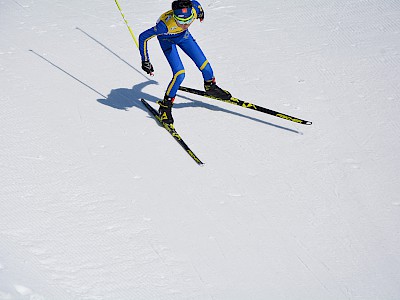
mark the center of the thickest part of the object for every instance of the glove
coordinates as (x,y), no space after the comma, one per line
(200,15)
(147,67)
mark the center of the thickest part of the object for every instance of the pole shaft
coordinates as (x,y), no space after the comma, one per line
(126,22)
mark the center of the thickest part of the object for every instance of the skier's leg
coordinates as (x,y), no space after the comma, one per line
(192,49)
(189,45)
(178,71)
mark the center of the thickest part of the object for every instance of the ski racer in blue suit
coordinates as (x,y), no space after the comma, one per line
(171,30)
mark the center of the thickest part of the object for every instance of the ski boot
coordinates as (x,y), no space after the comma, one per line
(212,89)
(165,110)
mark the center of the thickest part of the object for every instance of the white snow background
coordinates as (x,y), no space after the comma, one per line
(99,202)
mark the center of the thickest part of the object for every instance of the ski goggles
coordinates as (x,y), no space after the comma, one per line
(184,21)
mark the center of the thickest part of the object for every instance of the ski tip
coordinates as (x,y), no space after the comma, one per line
(308,123)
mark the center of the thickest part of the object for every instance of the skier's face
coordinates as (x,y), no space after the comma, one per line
(182,19)
(183,26)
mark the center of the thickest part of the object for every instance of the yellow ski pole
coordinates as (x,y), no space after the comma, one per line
(126,22)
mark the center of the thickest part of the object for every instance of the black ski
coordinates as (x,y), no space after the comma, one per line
(173,132)
(249,105)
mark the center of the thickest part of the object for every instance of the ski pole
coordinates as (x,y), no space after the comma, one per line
(126,22)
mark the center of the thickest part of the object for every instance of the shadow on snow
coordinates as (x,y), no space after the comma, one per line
(123,99)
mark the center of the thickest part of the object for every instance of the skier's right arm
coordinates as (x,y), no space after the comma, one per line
(144,37)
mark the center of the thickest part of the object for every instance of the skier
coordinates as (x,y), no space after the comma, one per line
(171,30)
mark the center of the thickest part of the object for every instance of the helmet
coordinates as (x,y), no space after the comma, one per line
(182,8)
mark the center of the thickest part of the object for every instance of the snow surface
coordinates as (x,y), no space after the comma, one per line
(99,202)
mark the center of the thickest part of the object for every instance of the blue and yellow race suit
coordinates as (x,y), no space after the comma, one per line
(170,35)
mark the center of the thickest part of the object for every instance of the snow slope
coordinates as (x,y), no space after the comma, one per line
(98,202)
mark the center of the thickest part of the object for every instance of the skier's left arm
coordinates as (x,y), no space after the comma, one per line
(199,10)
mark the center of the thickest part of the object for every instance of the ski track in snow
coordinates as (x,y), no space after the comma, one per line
(99,202)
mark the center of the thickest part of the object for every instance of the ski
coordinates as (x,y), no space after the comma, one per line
(173,132)
(249,105)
